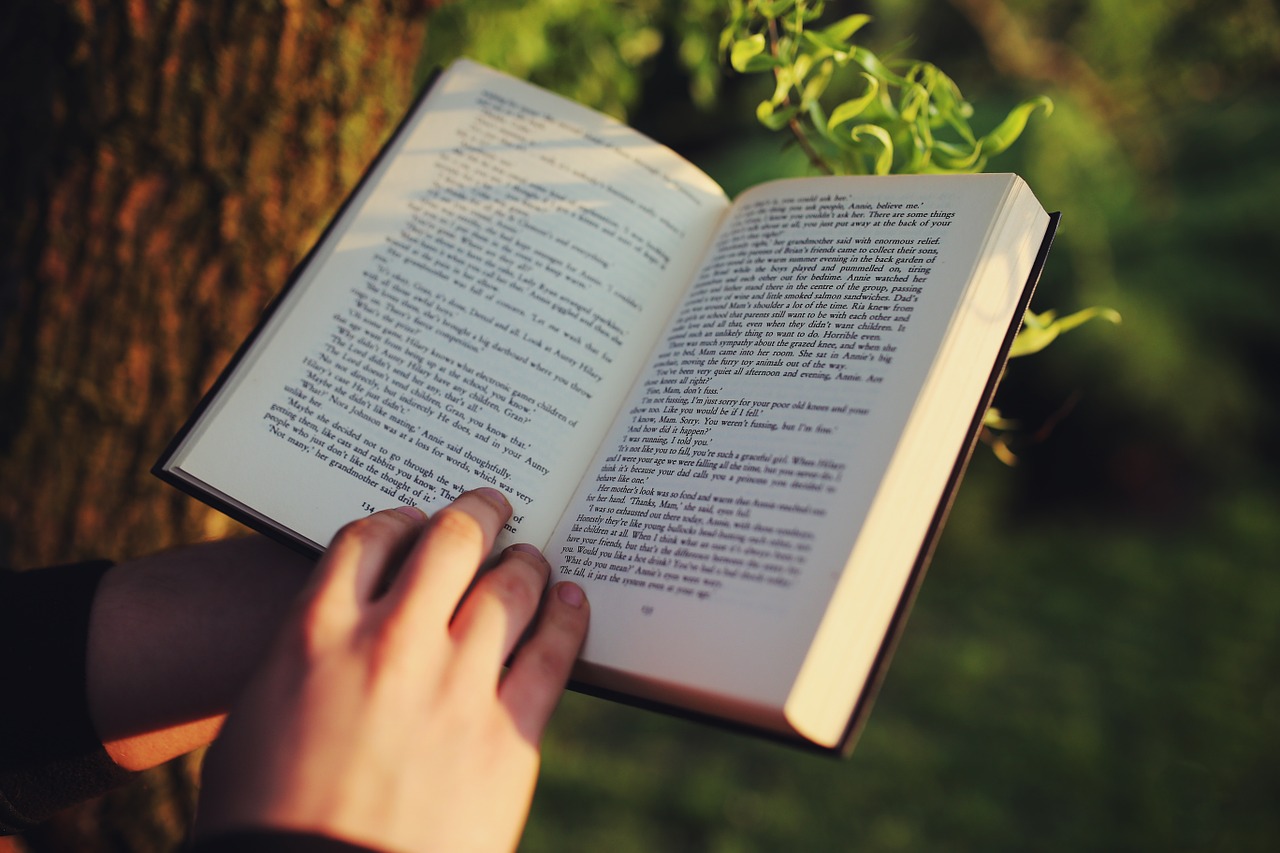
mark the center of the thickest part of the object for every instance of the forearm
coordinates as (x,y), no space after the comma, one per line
(173,637)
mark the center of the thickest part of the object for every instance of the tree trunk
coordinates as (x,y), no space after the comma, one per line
(165,164)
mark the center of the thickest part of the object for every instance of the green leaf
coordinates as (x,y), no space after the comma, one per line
(872,63)
(817,84)
(842,30)
(818,121)
(1008,131)
(783,80)
(1040,330)
(774,119)
(884,160)
(956,119)
(994,420)
(947,98)
(911,119)
(854,107)
(921,149)
(822,47)
(800,68)
(776,9)
(745,51)
(914,98)
(954,158)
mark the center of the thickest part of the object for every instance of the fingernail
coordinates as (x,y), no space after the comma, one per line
(526,548)
(493,496)
(571,594)
(413,512)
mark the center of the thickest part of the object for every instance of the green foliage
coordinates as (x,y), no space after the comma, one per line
(1037,332)
(595,53)
(910,120)
(907,121)
(1040,330)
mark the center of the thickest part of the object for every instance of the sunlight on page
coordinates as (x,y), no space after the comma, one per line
(496,281)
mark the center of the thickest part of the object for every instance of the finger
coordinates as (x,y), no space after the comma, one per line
(498,609)
(359,557)
(541,667)
(445,558)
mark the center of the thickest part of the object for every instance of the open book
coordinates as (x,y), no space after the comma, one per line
(737,425)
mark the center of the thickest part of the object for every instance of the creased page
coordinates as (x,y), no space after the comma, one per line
(476,316)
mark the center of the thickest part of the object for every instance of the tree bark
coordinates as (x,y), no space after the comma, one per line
(164,166)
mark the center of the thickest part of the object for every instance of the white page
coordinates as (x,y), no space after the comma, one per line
(724,505)
(478,317)
(845,650)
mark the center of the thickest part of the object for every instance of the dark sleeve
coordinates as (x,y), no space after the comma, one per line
(50,755)
(271,841)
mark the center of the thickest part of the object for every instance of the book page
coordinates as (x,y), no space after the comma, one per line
(475,317)
(712,530)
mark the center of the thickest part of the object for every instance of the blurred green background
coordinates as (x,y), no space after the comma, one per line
(1091,664)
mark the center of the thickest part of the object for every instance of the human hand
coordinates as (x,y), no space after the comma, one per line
(383,718)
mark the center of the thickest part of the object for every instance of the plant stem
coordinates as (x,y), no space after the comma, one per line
(797,130)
